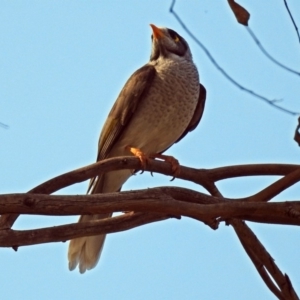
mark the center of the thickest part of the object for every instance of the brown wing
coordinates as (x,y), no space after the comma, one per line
(197,114)
(123,109)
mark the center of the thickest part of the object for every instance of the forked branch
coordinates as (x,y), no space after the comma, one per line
(158,204)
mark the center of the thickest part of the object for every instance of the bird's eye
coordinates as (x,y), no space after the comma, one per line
(151,37)
(176,39)
(174,35)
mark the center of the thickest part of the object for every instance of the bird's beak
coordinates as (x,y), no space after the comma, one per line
(157,32)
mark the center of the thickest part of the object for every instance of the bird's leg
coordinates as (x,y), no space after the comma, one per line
(170,159)
(144,158)
(140,154)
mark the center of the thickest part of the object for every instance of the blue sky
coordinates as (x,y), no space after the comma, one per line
(63,64)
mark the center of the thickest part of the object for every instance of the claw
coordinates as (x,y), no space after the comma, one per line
(172,160)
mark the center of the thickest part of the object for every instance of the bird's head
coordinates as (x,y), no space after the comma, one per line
(168,43)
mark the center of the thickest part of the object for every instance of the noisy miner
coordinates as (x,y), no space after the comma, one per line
(160,103)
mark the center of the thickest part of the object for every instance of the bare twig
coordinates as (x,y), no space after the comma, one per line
(273,102)
(260,46)
(297,133)
(294,23)
(4,125)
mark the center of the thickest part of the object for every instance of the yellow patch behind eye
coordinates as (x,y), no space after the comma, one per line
(176,39)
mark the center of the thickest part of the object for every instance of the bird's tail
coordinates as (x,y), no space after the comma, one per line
(86,251)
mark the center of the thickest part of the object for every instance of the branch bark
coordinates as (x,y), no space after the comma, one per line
(164,200)
(158,204)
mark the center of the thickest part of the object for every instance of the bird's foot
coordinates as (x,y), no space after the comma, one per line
(140,154)
(172,160)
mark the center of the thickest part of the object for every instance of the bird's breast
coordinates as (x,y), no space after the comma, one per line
(166,110)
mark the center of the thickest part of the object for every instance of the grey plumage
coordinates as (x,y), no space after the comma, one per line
(160,103)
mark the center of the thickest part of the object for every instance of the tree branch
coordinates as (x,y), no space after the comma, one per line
(16,238)
(203,177)
(262,259)
(225,74)
(156,204)
(163,200)
(4,125)
(264,51)
(292,19)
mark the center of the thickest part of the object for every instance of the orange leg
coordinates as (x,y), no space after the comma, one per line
(140,154)
(145,158)
(170,159)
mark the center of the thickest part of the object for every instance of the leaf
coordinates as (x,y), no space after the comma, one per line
(240,12)
(297,133)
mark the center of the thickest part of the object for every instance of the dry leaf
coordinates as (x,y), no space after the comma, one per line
(297,133)
(240,12)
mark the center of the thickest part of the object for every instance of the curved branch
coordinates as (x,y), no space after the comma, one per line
(225,74)
(250,241)
(255,249)
(260,268)
(203,177)
(292,19)
(173,201)
(228,172)
(4,125)
(16,238)
(276,62)
(277,187)
(167,201)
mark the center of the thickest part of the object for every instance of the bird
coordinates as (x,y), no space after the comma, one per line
(159,104)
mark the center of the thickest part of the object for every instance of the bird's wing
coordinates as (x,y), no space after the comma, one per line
(197,114)
(127,102)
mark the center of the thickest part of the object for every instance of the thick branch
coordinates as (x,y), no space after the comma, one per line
(169,201)
(164,200)
(206,178)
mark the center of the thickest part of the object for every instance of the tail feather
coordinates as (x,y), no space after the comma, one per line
(86,251)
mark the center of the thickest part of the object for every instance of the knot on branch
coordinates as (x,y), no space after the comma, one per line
(292,212)
(30,202)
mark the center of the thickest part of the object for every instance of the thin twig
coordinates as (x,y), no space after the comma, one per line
(263,50)
(226,75)
(294,23)
(4,125)
(277,187)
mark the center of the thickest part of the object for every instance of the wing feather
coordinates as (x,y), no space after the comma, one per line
(197,114)
(122,111)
